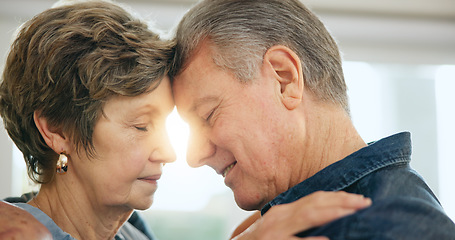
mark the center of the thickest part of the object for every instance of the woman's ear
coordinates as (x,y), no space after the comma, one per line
(53,136)
(287,70)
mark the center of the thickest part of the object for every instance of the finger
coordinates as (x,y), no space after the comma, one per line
(315,210)
(322,200)
(330,206)
(311,238)
(319,217)
(344,199)
(246,224)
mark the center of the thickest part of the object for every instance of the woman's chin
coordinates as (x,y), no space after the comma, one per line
(143,204)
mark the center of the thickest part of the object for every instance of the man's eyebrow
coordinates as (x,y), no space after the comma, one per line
(198,102)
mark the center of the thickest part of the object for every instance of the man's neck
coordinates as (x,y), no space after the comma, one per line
(330,137)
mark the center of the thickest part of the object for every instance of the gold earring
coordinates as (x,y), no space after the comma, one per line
(62,162)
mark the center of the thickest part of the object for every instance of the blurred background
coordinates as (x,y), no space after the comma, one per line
(399,61)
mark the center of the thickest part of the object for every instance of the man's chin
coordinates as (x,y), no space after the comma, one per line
(248,204)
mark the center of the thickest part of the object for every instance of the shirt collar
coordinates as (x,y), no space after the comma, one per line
(392,150)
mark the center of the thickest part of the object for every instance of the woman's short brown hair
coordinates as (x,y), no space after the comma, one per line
(64,64)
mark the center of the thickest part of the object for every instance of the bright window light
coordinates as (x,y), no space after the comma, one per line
(445,100)
(183,188)
(365,99)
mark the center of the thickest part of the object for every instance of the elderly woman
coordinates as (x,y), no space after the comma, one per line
(85,96)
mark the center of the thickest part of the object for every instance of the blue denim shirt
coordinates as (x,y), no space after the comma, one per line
(403,207)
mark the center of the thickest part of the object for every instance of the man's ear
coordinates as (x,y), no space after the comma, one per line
(287,70)
(53,136)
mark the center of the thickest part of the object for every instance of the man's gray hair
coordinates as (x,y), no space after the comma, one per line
(241,31)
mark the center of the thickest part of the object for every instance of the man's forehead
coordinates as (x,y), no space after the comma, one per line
(194,75)
(193,72)
(195,84)
(185,94)
(189,98)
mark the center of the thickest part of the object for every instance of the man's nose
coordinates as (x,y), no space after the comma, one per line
(200,148)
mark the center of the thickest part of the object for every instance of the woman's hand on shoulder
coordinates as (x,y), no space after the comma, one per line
(286,220)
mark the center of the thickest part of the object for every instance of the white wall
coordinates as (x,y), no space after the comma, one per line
(6,146)
(6,164)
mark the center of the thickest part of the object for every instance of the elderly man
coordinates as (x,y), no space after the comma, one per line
(262,87)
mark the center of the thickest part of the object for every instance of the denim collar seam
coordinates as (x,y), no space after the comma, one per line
(396,161)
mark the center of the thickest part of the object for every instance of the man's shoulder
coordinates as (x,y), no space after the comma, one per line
(394,181)
(404,207)
(392,218)
(403,217)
